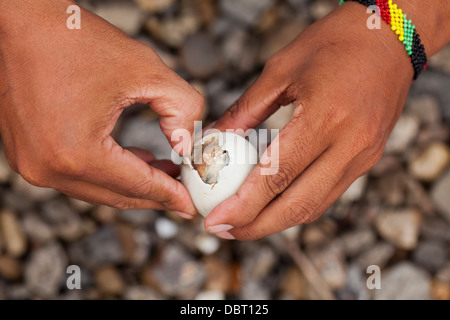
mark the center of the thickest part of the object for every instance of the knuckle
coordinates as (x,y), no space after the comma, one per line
(298,211)
(32,173)
(279,181)
(144,188)
(67,163)
(122,204)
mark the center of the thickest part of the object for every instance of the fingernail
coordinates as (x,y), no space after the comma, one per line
(219,228)
(184,215)
(225,235)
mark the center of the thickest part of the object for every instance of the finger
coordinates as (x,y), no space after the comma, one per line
(178,103)
(260,100)
(307,197)
(119,170)
(100,196)
(298,145)
(164,165)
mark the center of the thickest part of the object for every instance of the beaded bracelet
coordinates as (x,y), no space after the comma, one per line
(405,30)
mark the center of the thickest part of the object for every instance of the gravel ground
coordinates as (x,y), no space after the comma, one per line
(396,217)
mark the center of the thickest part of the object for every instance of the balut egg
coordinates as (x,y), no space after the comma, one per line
(219,164)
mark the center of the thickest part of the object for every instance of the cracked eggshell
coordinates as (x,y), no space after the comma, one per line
(242,158)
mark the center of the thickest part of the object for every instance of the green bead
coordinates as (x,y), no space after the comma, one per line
(409,53)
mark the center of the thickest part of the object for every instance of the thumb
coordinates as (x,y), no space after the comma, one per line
(254,106)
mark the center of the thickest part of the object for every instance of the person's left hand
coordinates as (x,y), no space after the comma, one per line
(348,85)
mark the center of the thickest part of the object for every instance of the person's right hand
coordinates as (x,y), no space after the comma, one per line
(62,92)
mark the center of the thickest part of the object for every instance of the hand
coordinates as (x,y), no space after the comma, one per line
(348,85)
(62,92)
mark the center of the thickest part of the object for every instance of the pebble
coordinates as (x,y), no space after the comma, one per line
(143,217)
(14,238)
(403,134)
(177,273)
(379,254)
(218,274)
(36,229)
(440,195)
(431,254)
(355,191)
(330,262)
(279,38)
(200,56)
(293,285)
(400,227)
(137,132)
(10,268)
(165,228)
(105,214)
(404,281)
(123,14)
(245,12)
(240,51)
(321,8)
(356,287)
(65,221)
(356,241)
(426,108)
(207,244)
(428,164)
(45,270)
(101,248)
(109,281)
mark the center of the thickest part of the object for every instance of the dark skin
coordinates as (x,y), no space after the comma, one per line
(349,85)
(63,91)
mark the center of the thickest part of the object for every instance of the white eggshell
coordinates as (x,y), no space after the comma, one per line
(243,157)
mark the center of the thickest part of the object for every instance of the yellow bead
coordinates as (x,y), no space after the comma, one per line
(393,28)
(401,38)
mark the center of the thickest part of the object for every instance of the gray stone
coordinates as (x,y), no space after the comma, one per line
(330,262)
(321,8)
(403,134)
(440,195)
(146,134)
(245,12)
(200,56)
(426,108)
(64,220)
(435,83)
(356,241)
(355,191)
(139,217)
(435,228)
(404,281)
(240,51)
(178,273)
(255,290)
(101,248)
(400,227)
(356,287)
(36,229)
(45,270)
(432,255)
(123,14)
(258,262)
(210,295)
(379,255)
